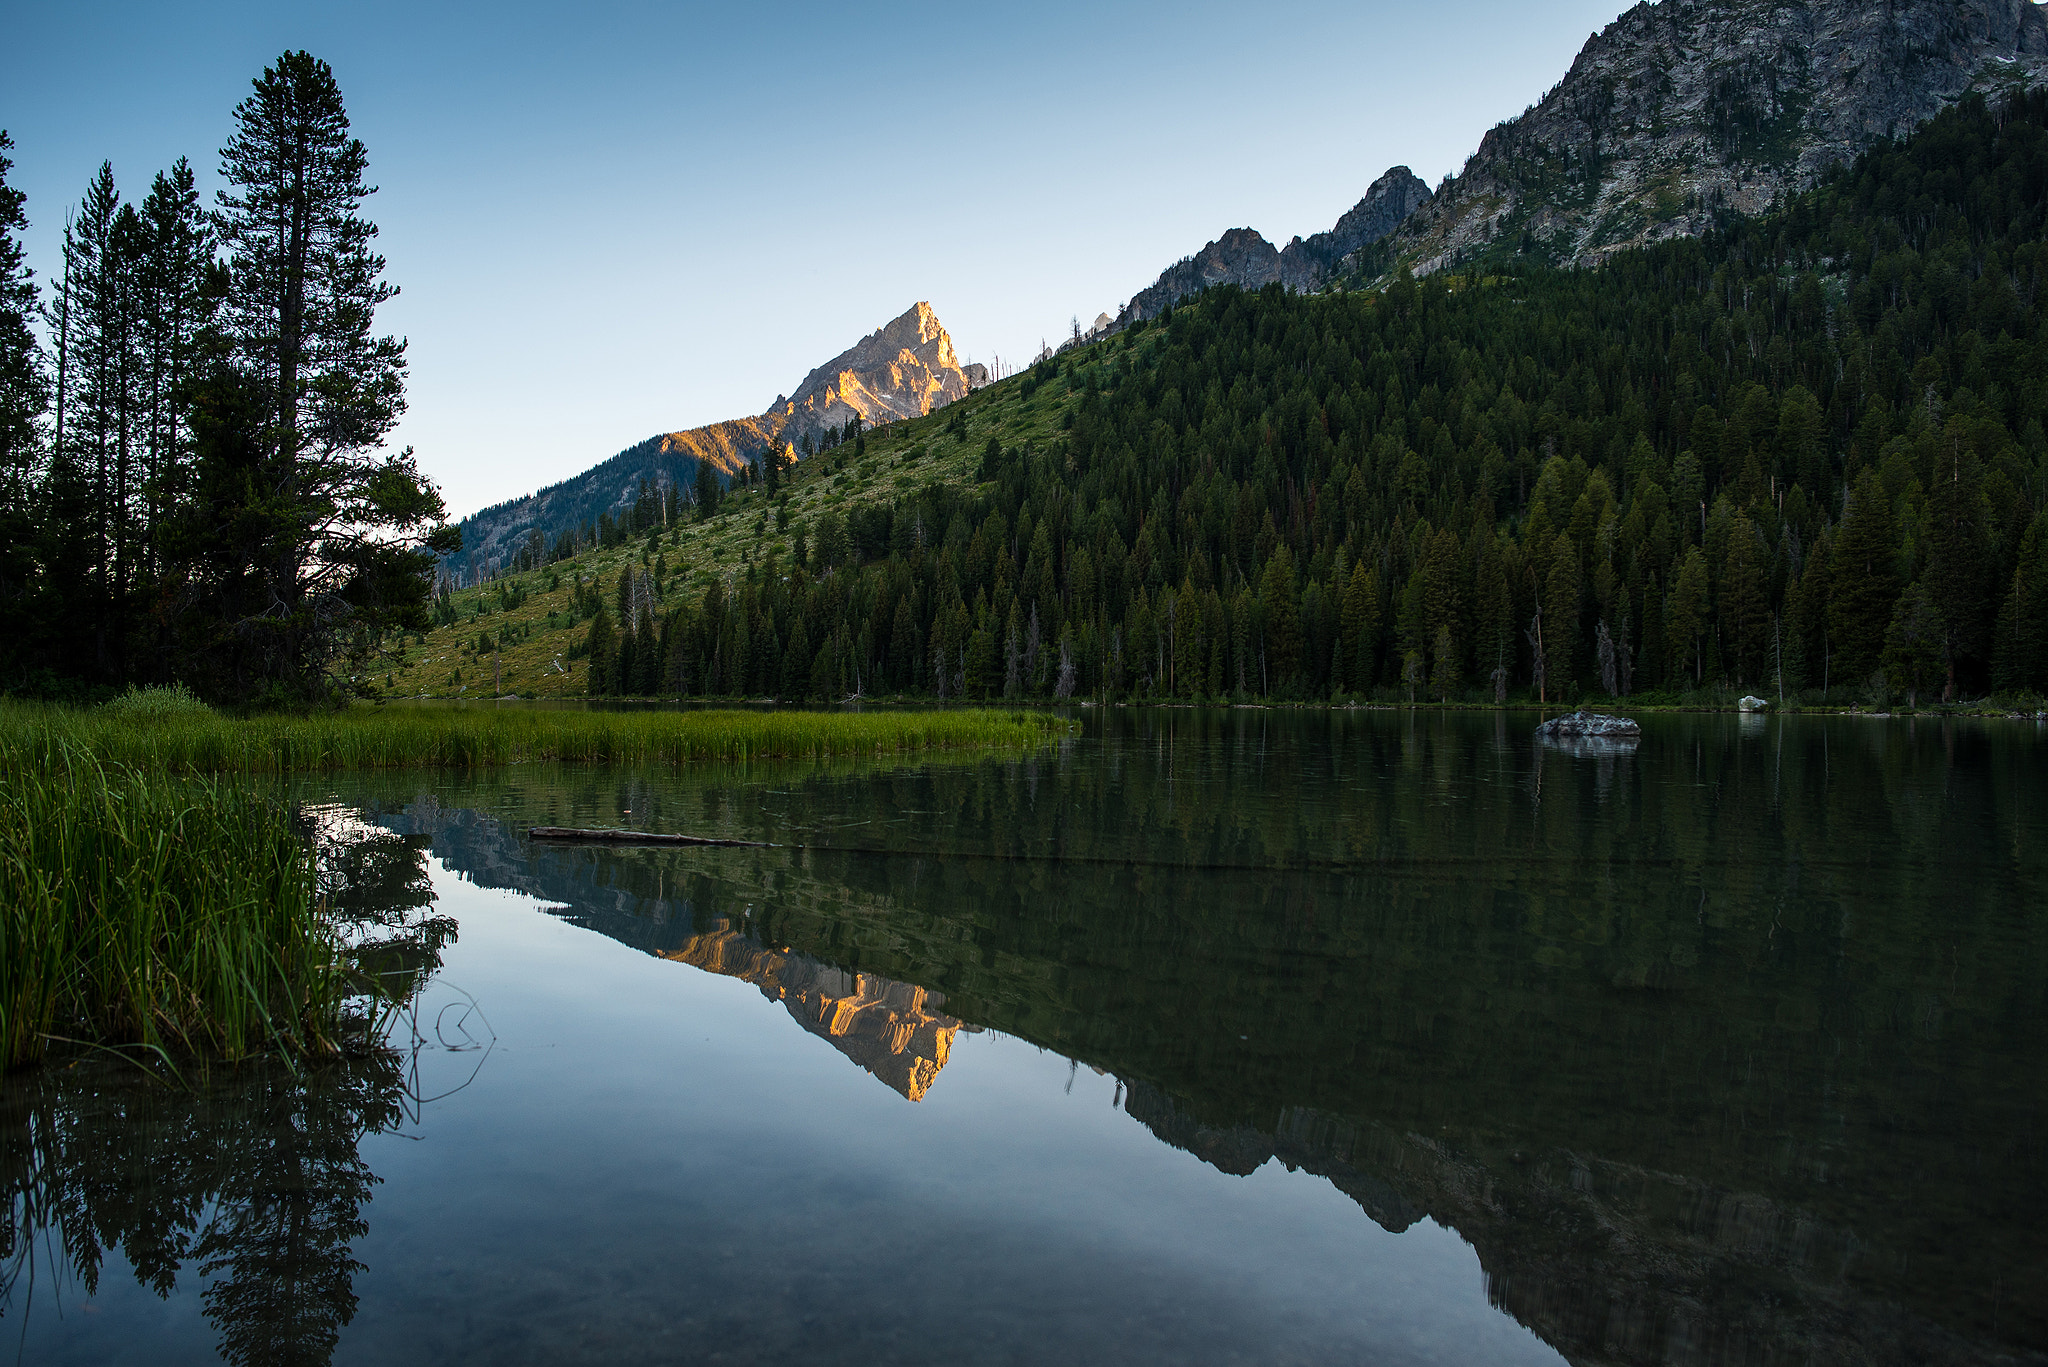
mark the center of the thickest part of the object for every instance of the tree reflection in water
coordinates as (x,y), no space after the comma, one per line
(250,1174)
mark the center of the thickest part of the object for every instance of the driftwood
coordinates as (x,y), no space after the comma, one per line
(606,836)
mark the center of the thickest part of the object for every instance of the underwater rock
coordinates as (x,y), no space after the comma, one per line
(1589,725)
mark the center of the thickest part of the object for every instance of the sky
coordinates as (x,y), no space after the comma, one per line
(608,220)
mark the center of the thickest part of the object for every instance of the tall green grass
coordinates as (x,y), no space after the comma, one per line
(140,909)
(384,738)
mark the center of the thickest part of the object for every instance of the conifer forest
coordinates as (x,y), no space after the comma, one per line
(192,479)
(1803,456)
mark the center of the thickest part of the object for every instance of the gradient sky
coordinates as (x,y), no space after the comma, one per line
(610,220)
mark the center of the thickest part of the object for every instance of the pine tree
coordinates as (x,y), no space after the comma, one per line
(1745,603)
(348,530)
(1864,581)
(1358,628)
(1561,594)
(24,398)
(600,643)
(1913,644)
(1281,605)
(1957,577)
(24,383)
(1687,616)
(2020,651)
(1444,672)
(98,431)
(175,305)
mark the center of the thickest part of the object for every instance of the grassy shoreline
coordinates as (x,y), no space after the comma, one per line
(202,742)
(150,901)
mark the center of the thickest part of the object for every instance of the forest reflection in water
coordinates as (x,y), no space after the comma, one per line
(1727,1049)
(247,1181)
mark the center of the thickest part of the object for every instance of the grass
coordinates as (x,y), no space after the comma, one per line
(137,909)
(195,742)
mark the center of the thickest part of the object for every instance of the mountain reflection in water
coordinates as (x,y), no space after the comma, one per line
(1717,1050)
(893,1030)
(1730,1049)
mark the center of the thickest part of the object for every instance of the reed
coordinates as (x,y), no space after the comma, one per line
(137,909)
(384,738)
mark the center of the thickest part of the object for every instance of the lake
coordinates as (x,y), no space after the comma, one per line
(1225,1036)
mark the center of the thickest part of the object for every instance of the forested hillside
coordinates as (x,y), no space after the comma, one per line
(1804,453)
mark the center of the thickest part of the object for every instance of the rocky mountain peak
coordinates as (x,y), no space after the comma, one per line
(904,369)
(1680,109)
(1244,258)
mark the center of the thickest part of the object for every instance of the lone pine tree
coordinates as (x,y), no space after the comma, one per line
(339,534)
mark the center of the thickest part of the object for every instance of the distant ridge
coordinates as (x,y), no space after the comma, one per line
(903,369)
(1244,258)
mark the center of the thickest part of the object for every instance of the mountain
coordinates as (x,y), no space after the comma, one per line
(1244,258)
(1680,110)
(903,369)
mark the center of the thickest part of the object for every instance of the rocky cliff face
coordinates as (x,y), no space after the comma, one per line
(1679,109)
(904,369)
(1393,198)
(1244,258)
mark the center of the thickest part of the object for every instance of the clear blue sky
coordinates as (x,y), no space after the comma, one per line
(610,220)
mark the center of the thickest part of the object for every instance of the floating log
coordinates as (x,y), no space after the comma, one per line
(608,836)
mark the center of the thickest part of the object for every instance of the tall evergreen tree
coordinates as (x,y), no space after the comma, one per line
(2021,650)
(24,398)
(1957,578)
(1687,617)
(176,305)
(24,383)
(340,532)
(1863,578)
(1915,655)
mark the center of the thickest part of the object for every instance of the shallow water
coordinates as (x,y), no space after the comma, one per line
(1203,1037)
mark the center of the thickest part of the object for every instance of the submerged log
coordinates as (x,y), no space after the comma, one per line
(608,836)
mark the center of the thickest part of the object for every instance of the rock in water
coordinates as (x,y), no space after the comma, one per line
(1582,725)
(1753,704)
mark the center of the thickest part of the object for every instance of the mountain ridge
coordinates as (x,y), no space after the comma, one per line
(903,369)
(1677,111)
(1243,257)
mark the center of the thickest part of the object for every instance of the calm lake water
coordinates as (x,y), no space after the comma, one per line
(1212,1037)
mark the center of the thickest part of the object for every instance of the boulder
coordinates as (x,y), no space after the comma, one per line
(1753,704)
